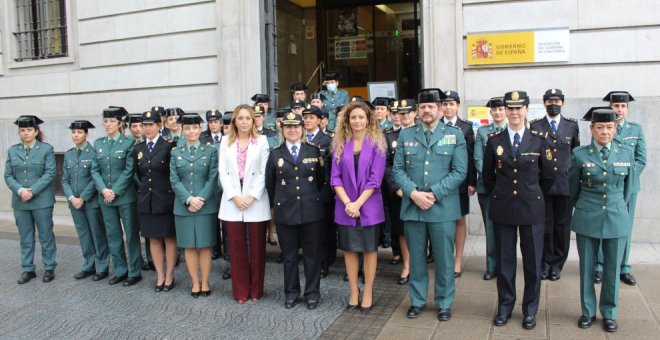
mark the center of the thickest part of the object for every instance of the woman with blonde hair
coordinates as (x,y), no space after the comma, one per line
(357,172)
(244,206)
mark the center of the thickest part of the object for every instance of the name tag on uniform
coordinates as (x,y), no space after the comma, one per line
(309,160)
(620,164)
(589,165)
(203,157)
(530,154)
(119,151)
(447,140)
(630,137)
(410,144)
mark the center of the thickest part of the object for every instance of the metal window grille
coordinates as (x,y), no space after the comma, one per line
(40,29)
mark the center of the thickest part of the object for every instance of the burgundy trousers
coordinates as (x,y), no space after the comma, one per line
(247,256)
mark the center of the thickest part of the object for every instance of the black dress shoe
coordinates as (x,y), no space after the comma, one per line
(395,261)
(216,255)
(83,274)
(100,276)
(415,312)
(49,275)
(227,274)
(585,321)
(610,325)
(353,308)
(345,278)
(366,310)
(457,274)
(131,281)
(26,277)
(444,314)
(489,276)
(288,304)
(167,288)
(429,258)
(324,273)
(598,277)
(205,293)
(529,322)
(403,280)
(148,266)
(195,294)
(501,320)
(554,276)
(628,279)
(159,288)
(544,274)
(387,244)
(312,304)
(116,279)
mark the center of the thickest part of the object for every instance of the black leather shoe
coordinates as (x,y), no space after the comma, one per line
(49,275)
(324,273)
(415,312)
(345,278)
(100,276)
(26,277)
(429,258)
(501,320)
(205,293)
(554,276)
(489,276)
(610,325)
(158,288)
(312,304)
(544,274)
(131,281)
(598,277)
(116,279)
(353,308)
(444,314)
(83,274)
(585,321)
(288,304)
(403,280)
(195,294)
(167,288)
(227,274)
(366,310)
(628,279)
(148,266)
(529,322)
(395,261)
(457,274)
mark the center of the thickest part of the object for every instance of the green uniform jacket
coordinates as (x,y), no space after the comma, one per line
(600,192)
(195,176)
(36,172)
(631,134)
(112,168)
(479,147)
(439,167)
(77,176)
(332,101)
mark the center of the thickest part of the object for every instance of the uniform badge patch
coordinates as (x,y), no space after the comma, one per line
(548,154)
(310,178)
(500,150)
(393,144)
(139,155)
(280,162)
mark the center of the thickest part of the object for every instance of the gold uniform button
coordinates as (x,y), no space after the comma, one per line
(515,193)
(191,174)
(515,181)
(297,188)
(295,168)
(604,207)
(604,173)
(515,171)
(604,184)
(555,150)
(554,141)
(555,168)
(296,178)
(426,173)
(297,197)
(604,196)
(427,162)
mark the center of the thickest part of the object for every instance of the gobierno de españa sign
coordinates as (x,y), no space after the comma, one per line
(518,47)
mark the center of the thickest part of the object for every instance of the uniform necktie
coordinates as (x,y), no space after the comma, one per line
(516,143)
(294,153)
(554,127)
(111,142)
(175,139)
(618,128)
(151,146)
(450,124)
(310,137)
(192,151)
(78,152)
(216,139)
(27,151)
(427,134)
(604,154)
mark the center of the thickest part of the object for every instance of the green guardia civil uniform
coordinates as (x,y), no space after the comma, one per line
(333,100)
(77,182)
(601,190)
(34,170)
(194,172)
(112,168)
(438,166)
(384,125)
(482,194)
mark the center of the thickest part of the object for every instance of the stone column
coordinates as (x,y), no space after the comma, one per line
(442,43)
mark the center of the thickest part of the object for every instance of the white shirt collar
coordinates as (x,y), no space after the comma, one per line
(154,140)
(314,133)
(289,146)
(453,121)
(550,119)
(512,133)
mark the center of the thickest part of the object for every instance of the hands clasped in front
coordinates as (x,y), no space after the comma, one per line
(424,200)
(243,203)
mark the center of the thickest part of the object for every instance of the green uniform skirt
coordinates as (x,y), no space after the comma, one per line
(197,231)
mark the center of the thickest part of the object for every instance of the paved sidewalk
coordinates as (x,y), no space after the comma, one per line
(72,309)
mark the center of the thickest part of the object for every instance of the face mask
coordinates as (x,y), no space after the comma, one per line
(553,110)
(331,87)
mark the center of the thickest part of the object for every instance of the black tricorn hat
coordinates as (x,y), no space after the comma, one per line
(317,95)
(618,97)
(260,98)
(495,102)
(190,119)
(297,103)
(600,114)
(134,118)
(431,95)
(174,111)
(360,99)
(382,101)
(298,87)
(226,117)
(81,125)
(28,121)
(115,112)
(332,75)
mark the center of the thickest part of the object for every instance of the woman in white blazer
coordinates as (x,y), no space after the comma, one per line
(244,206)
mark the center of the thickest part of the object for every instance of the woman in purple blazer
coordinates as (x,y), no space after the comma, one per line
(358,169)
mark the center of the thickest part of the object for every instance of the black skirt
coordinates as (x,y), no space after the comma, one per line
(157,225)
(465,203)
(362,239)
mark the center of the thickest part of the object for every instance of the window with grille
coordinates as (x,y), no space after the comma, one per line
(40,29)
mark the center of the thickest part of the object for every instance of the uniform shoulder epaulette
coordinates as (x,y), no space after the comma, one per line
(534,121)
(99,139)
(465,121)
(494,134)
(312,144)
(388,130)
(633,123)
(582,147)
(541,134)
(277,146)
(454,126)
(139,141)
(570,119)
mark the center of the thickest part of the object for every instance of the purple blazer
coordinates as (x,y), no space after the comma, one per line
(371,168)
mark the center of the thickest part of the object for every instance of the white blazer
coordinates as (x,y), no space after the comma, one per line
(254,181)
